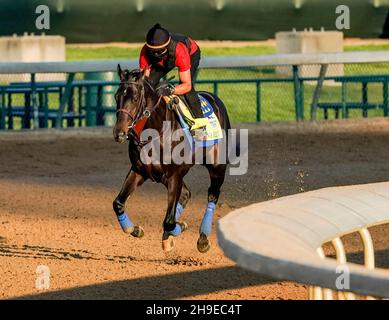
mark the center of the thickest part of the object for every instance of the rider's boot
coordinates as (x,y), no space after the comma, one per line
(195,106)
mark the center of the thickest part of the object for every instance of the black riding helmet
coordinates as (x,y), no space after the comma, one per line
(157,40)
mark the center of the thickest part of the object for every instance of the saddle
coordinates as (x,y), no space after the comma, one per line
(208,135)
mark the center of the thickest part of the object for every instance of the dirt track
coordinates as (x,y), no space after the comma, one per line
(56,191)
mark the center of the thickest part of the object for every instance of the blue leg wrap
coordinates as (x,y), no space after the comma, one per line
(125,222)
(206,224)
(177,231)
(179,210)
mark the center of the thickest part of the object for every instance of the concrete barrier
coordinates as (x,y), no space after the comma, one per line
(32,48)
(310,41)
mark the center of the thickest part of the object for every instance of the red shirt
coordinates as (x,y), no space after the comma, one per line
(182,56)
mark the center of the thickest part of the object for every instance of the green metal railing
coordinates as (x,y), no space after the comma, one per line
(296,80)
(36,106)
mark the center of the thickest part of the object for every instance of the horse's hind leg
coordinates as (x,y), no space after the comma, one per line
(216,174)
(133,180)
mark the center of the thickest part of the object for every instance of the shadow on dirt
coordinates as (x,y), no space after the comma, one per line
(44,252)
(171,286)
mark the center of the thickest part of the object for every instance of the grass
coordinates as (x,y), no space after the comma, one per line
(367,48)
(78,54)
(104,53)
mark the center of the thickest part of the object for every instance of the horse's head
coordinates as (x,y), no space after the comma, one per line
(130,101)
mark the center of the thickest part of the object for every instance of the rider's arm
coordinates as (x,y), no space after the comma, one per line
(183,64)
(185,83)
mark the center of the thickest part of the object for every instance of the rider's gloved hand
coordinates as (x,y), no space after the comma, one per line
(165,89)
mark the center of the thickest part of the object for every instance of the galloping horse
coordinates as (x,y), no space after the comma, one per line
(139,108)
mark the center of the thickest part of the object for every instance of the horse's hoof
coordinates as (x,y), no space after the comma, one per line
(168,243)
(203,244)
(138,232)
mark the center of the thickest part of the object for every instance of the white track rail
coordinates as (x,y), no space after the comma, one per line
(283,238)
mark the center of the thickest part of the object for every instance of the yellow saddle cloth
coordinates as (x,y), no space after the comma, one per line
(212,132)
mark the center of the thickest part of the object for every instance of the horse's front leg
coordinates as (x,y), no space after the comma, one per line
(182,202)
(132,181)
(170,226)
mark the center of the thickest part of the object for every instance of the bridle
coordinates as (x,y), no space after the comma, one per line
(140,104)
(141,113)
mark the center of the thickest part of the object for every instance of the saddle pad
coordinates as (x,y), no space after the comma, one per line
(211,133)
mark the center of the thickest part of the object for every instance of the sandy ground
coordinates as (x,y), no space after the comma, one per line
(56,190)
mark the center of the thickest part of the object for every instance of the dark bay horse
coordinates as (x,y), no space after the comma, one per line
(138,106)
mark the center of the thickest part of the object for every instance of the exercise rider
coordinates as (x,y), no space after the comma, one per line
(163,52)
